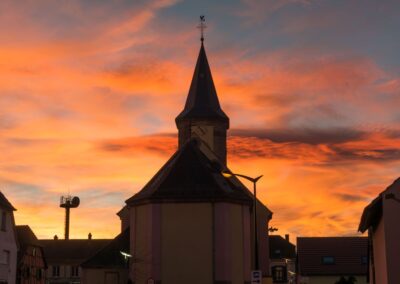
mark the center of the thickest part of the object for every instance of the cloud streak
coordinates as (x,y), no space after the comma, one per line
(89,91)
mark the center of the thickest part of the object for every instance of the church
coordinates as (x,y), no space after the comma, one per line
(194,221)
(190,223)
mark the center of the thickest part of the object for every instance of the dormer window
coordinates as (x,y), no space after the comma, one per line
(328,260)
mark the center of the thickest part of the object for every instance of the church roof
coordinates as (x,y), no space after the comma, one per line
(202,101)
(4,203)
(191,176)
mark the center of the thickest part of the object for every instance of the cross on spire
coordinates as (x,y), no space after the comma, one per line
(202,26)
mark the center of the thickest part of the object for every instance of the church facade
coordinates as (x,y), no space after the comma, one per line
(190,224)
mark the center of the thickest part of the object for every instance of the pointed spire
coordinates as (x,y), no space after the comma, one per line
(202,101)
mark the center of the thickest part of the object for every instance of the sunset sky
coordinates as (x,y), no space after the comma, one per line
(89,91)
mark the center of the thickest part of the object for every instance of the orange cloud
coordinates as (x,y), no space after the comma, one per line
(84,91)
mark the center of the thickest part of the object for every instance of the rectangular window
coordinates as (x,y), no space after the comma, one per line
(5,257)
(279,274)
(364,260)
(328,260)
(74,271)
(39,274)
(56,271)
(3,221)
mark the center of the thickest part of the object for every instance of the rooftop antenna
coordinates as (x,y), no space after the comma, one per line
(202,26)
(68,202)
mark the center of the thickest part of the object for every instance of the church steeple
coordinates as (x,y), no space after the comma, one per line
(202,116)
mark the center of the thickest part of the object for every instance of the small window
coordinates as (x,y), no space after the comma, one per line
(74,271)
(5,257)
(56,271)
(3,221)
(34,251)
(364,260)
(328,260)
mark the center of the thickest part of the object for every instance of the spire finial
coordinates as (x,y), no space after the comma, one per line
(202,26)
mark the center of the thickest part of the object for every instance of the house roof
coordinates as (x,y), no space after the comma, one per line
(26,236)
(110,256)
(202,100)
(347,252)
(71,251)
(191,176)
(279,248)
(4,203)
(373,212)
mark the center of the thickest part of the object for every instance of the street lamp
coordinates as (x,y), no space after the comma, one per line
(254,181)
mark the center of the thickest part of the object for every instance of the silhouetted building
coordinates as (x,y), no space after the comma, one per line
(190,224)
(8,242)
(282,254)
(323,260)
(31,260)
(64,257)
(381,219)
(110,264)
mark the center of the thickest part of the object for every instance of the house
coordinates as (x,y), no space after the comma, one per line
(282,254)
(8,242)
(110,264)
(31,260)
(64,257)
(381,219)
(190,223)
(323,260)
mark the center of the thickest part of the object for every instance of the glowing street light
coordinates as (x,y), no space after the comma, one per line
(254,181)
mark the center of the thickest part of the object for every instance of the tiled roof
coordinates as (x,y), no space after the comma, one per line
(281,248)
(202,101)
(347,253)
(26,236)
(4,203)
(188,176)
(71,251)
(110,256)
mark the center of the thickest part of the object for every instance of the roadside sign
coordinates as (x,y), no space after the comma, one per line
(256,277)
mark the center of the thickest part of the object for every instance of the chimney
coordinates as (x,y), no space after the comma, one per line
(90,236)
(287,237)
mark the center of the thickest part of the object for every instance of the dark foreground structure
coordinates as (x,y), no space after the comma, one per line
(323,260)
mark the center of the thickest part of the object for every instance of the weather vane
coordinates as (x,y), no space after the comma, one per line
(202,26)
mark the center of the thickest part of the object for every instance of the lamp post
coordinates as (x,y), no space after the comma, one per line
(254,181)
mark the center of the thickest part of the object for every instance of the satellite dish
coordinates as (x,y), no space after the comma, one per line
(75,202)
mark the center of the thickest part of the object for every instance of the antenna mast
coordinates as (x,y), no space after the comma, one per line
(68,202)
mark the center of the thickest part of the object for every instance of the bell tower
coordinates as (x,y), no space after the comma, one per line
(202,116)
